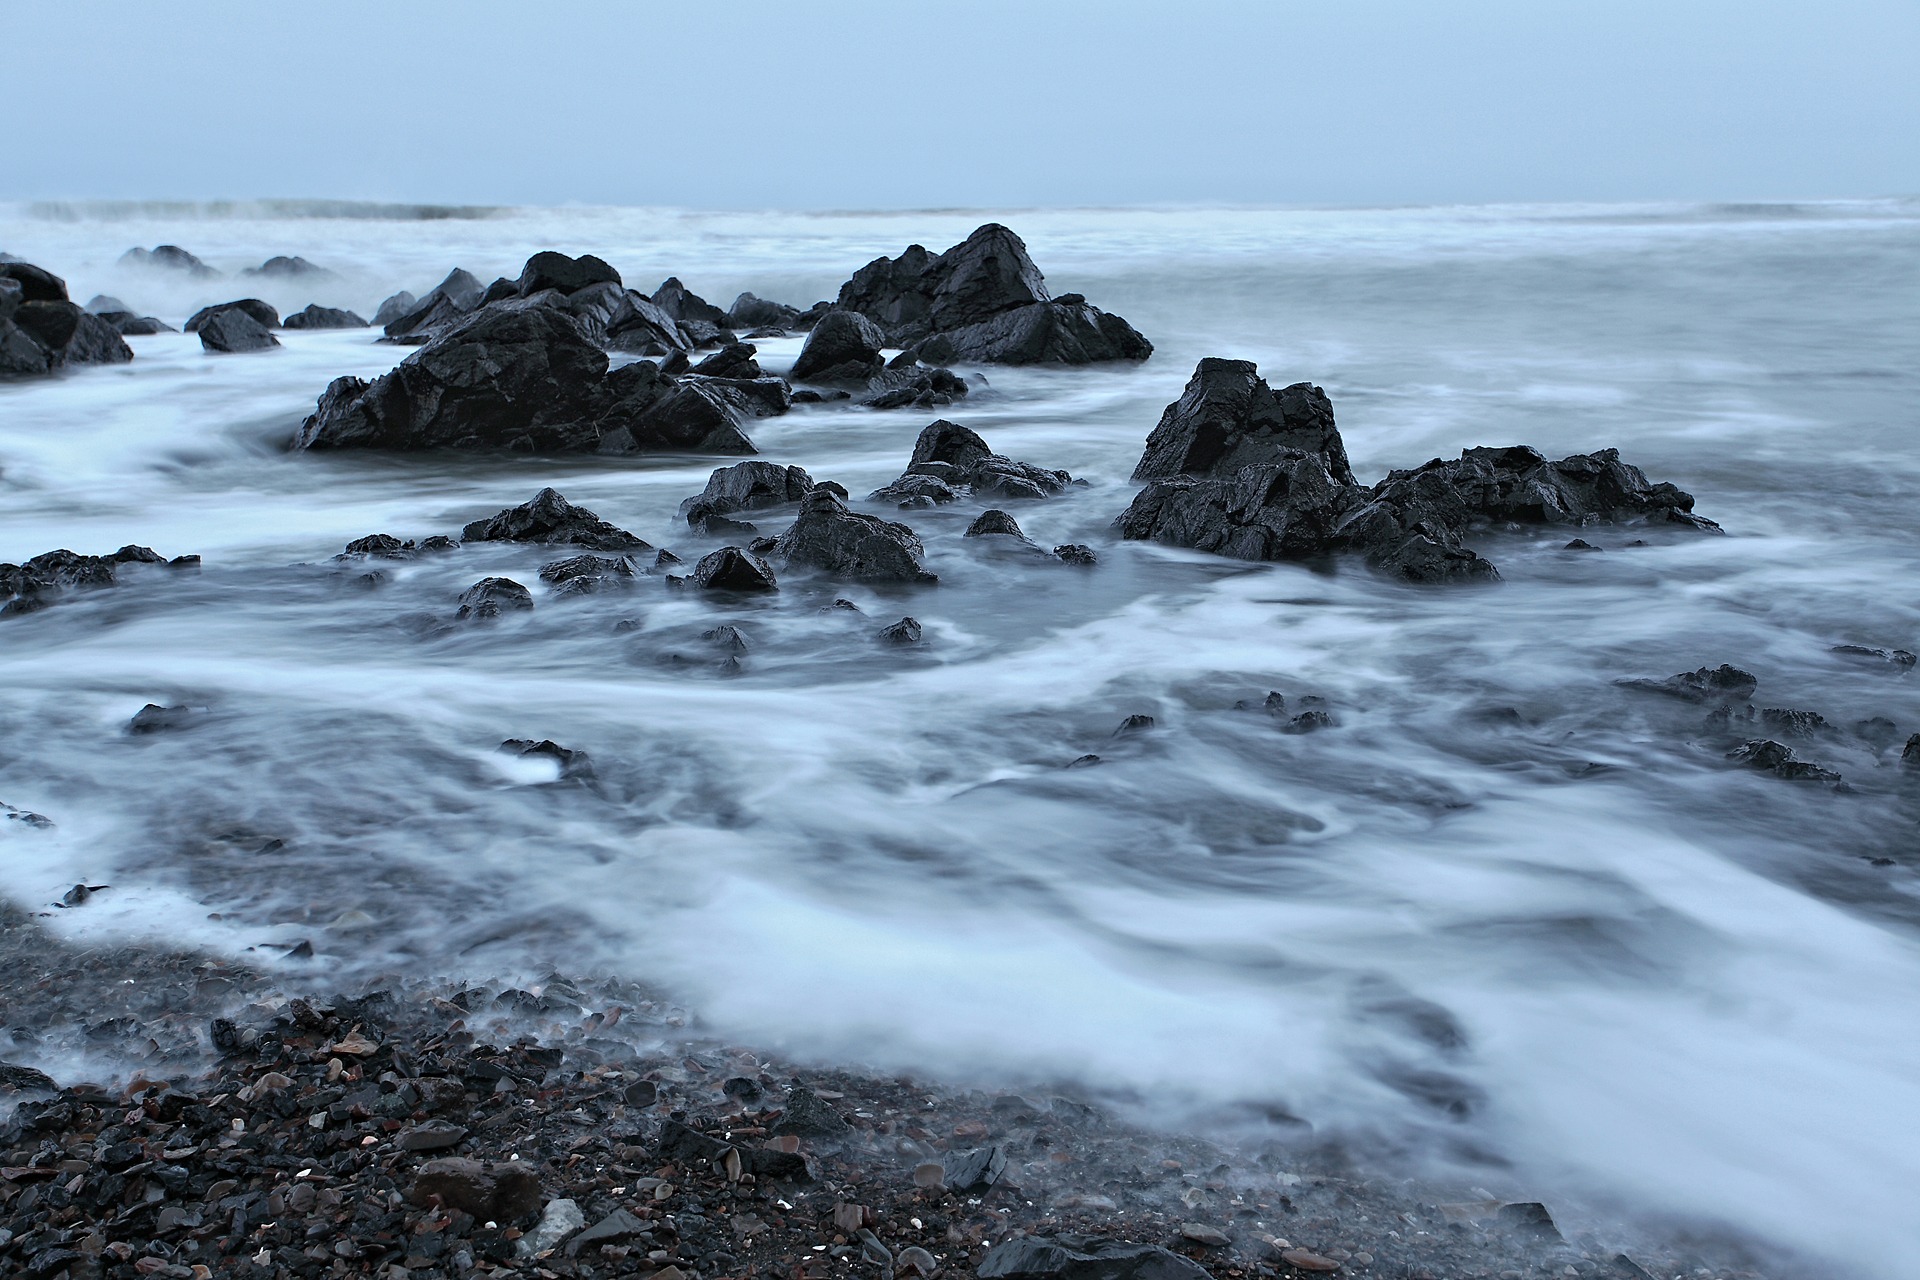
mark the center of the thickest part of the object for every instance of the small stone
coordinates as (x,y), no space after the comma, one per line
(433,1135)
(976,1170)
(849,1218)
(1077,553)
(1201,1233)
(916,1260)
(617,1227)
(561,1219)
(932,1175)
(1306,1261)
(1581,544)
(642,1093)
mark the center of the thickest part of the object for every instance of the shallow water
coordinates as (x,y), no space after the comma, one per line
(1504,911)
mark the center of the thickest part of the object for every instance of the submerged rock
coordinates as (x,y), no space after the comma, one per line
(1778,759)
(905,631)
(1294,506)
(491,597)
(34,584)
(549,518)
(282,267)
(1723,683)
(991,522)
(315,316)
(984,300)
(831,539)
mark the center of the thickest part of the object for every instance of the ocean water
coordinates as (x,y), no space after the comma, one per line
(1505,916)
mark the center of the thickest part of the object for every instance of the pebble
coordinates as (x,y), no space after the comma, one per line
(1201,1233)
(561,1219)
(1302,1260)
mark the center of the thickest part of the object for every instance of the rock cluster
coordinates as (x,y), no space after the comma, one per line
(42,330)
(984,301)
(549,518)
(41,581)
(168,257)
(528,372)
(1240,470)
(828,538)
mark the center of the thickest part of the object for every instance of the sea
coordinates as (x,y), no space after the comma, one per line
(1505,916)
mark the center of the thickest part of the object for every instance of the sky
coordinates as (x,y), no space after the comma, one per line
(844,104)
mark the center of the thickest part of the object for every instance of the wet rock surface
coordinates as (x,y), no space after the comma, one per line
(232,331)
(747,486)
(984,301)
(43,331)
(828,538)
(949,459)
(1413,525)
(315,316)
(549,518)
(50,576)
(576,1130)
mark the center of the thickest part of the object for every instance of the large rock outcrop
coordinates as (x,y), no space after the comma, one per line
(41,330)
(828,538)
(984,300)
(1228,418)
(525,380)
(1262,475)
(949,459)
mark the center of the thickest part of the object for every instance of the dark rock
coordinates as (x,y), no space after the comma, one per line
(550,270)
(807,1115)
(984,300)
(992,521)
(11,296)
(281,267)
(126,324)
(430,1135)
(641,1093)
(384,546)
(315,316)
(747,486)
(1228,418)
(969,1171)
(1084,1258)
(1798,724)
(915,491)
(585,569)
(1899,659)
(829,538)
(63,334)
(1133,724)
(905,631)
(1529,1218)
(102,304)
(695,416)
(394,307)
(1308,722)
(36,284)
(20,355)
(233,331)
(443,305)
(154,718)
(524,380)
(734,569)
(1067,331)
(263,314)
(573,764)
(168,257)
(550,518)
(491,597)
(683,304)
(1581,544)
(734,361)
(1708,684)
(26,1079)
(617,1227)
(911,387)
(843,347)
(505,1192)
(958,458)
(1778,759)
(1077,553)
(730,638)
(749,312)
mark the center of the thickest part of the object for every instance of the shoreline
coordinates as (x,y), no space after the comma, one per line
(296,1146)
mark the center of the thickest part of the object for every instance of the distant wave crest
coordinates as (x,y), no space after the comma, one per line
(126,210)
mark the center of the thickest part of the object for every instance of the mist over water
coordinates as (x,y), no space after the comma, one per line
(1504,911)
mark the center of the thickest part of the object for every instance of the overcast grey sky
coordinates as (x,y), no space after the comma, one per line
(919,103)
